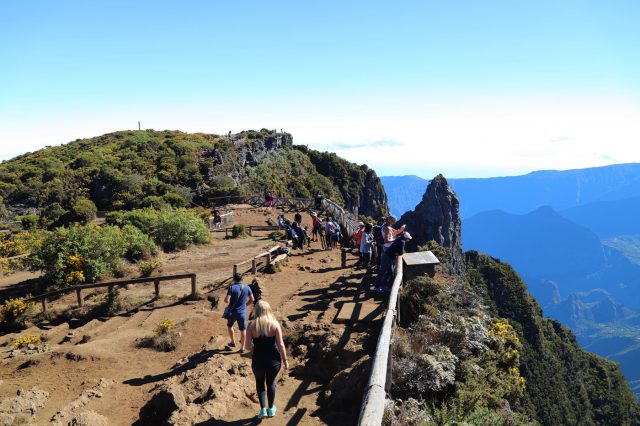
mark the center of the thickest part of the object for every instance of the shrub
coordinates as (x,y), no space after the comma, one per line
(93,251)
(179,230)
(29,221)
(164,338)
(114,218)
(238,231)
(147,268)
(171,230)
(26,340)
(84,210)
(139,245)
(14,313)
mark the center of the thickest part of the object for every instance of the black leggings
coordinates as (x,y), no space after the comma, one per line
(266,376)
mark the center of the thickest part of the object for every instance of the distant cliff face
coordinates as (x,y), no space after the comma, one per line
(358,185)
(437,217)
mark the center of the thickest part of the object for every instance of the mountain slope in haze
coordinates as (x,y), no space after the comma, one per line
(608,218)
(522,194)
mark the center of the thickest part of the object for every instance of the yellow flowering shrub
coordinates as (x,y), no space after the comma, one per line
(75,278)
(165,326)
(13,309)
(75,261)
(26,340)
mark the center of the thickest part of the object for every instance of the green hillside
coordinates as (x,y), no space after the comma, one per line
(135,169)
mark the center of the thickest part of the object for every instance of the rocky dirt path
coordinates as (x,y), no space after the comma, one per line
(328,359)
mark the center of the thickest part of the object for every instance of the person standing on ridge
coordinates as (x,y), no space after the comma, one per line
(318,200)
(366,245)
(389,233)
(269,353)
(388,261)
(239,295)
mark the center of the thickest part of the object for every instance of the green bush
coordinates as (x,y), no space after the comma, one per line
(79,254)
(84,211)
(178,230)
(147,268)
(29,221)
(238,231)
(140,246)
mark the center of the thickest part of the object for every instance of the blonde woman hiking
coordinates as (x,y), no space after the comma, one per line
(269,354)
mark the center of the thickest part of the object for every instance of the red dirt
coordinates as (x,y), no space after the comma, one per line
(308,291)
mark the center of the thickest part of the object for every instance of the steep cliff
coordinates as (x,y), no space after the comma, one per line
(437,218)
(474,348)
(359,186)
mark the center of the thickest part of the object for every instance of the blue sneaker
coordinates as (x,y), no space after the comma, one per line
(271,411)
(263,413)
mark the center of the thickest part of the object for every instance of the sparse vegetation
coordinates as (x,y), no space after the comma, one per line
(26,340)
(164,339)
(238,231)
(147,268)
(14,313)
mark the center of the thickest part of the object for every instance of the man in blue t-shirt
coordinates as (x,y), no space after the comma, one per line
(239,295)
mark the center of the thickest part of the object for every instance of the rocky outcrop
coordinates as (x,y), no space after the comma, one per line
(21,408)
(437,217)
(359,186)
(203,393)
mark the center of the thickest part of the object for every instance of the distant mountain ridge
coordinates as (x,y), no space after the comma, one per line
(521,194)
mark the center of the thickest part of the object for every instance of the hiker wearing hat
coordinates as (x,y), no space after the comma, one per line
(388,262)
(315,225)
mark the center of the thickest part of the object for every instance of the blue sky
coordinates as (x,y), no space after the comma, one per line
(465,88)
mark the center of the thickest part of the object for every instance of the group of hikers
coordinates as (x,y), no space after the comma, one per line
(263,334)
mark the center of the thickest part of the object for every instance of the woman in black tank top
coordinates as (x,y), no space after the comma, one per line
(269,354)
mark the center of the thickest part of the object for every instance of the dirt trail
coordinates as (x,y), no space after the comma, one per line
(306,296)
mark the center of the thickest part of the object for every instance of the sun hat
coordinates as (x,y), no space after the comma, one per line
(360,223)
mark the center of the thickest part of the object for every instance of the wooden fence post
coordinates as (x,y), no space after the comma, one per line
(344,257)
(156,285)
(194,288)
(79,297)
(254,266)
(44,304)
(268,258)
(235,269)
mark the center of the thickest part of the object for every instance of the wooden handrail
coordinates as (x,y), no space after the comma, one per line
(372,408)
(110,284)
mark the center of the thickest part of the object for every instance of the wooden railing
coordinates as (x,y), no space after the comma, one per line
(255,261)
(373,401)
(331,208)
(44,298)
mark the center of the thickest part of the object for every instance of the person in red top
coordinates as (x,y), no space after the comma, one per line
(314,225)
(358,237)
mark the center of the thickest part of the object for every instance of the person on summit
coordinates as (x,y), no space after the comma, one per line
(388,260)
(239,295)
(389,233)
(269,353)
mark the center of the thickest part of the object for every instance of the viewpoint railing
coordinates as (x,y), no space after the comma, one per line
(331,208)
(257,260)
(44,298)
(373,401)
